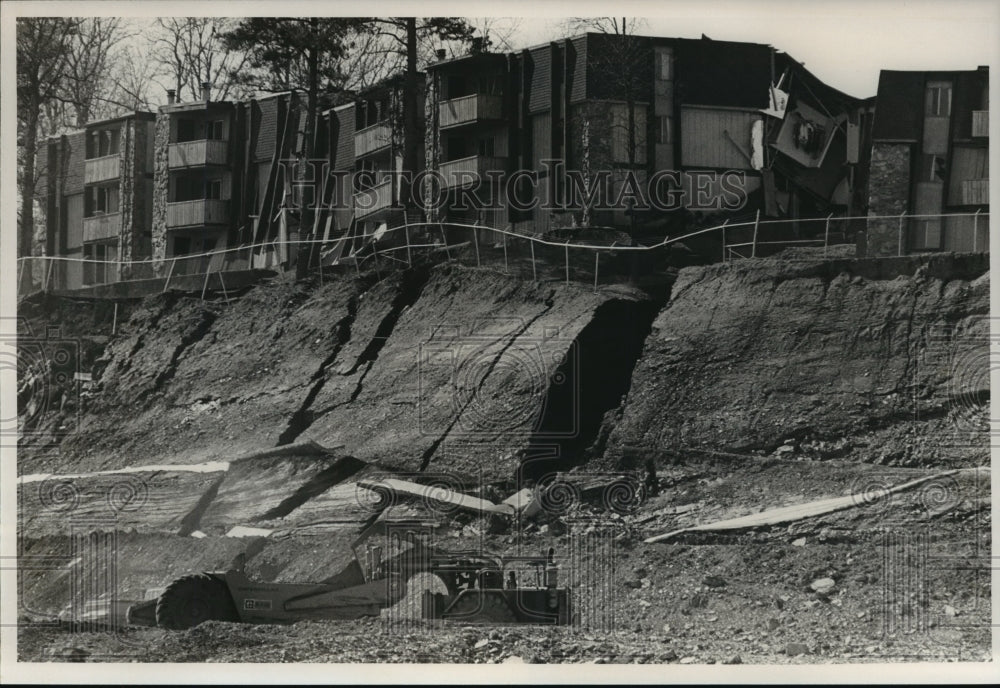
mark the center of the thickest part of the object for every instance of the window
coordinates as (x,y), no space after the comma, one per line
(213,189)
(214,130)
(665,129)
(664,66)
(487,147)
(186,130)
(938,99)
(182,246)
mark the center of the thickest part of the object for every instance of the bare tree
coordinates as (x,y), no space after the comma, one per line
(43,49)
(190,51)
(89,64)
(131,79)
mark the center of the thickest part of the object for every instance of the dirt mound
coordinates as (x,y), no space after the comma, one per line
(887,359)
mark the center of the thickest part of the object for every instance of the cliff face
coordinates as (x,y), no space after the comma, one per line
(879,361)
(450,368)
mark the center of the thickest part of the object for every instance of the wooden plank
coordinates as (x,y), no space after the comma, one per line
(795,512)
(439,494)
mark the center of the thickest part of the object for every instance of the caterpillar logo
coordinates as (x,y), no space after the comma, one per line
(251,605)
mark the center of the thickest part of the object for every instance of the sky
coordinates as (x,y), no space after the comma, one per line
(844,43)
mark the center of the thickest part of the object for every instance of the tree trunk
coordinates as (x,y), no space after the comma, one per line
(411,103)
(307,176)
(28,182)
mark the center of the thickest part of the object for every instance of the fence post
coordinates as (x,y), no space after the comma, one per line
(170,274)
(204,286)
(444,237)
(114,322)
(756,224)
(225,294)
(975,231)
(506,268)
(534,270)
(475,240)
(409,256)
(725,258)
(826,235)
(48,275)
(567,262)
(597,259)
(900,233)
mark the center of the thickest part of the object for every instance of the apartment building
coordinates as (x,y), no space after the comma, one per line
(364,143)
(197,157)
(722,117)
(98,199)
(930,156)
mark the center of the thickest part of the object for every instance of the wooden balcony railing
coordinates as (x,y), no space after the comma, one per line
(373,200)
(101,169)
(206,211)
(198,153)
(372,139)
(99,227)
(459,172)
(477,107)
(976,192)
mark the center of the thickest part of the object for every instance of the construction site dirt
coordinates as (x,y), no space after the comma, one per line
(783,460)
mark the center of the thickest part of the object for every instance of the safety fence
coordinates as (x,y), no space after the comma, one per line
(593,255)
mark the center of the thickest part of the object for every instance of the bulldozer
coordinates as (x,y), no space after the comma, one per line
(401,571)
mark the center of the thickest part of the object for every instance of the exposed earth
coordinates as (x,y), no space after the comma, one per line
(755,385)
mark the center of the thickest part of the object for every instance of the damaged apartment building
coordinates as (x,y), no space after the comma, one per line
(365,144)
(930,157)
(712,113)
(733,131)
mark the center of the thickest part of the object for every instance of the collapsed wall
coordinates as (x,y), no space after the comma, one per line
(874,360)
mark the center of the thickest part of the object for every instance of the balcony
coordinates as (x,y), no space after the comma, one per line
(475,108)
(980,122)
(976,192)
(101,227)
(198,153)
(379,197)
(101,169)
(458,172)
(206,211)
(372,139)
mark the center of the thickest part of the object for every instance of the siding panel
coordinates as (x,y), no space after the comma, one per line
(541,80)
(704,142)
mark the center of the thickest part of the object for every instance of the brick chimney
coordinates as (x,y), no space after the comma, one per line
(171,96)
(206,91)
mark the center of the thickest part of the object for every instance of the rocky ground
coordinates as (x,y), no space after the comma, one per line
(758,385)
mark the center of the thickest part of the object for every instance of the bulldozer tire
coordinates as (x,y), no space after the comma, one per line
(190,600)
(482,607)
